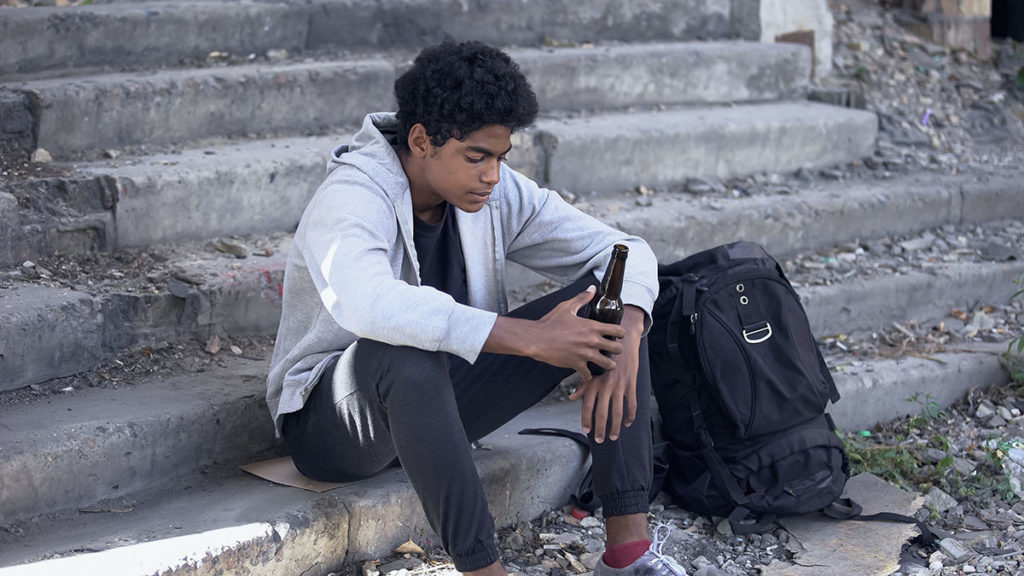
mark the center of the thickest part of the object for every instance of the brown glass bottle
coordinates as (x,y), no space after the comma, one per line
(606,305)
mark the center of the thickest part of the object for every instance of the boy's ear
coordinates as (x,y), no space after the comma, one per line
(419,141)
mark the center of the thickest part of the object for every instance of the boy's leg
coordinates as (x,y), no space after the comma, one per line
(382,400)
(497,387)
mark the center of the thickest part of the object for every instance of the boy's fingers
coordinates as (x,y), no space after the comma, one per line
(581,299)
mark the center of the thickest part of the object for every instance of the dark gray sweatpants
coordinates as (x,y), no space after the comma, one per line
(381,401)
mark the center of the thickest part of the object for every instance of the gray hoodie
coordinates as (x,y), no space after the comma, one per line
(353,273)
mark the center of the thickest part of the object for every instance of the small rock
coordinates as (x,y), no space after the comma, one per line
(233,248)
(590,559)
(996,422)
(984,411)
(933,455)
(213,345)
(724,528)
(277,55)
(402,564)
(703,186)
(111,153)
(370,569)
(963,466)
(971,522)
(938,500)
(1004,413)
(956,550)
(590,522)
(41,156)
(832,174)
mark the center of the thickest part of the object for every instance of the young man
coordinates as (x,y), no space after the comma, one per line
(395,339)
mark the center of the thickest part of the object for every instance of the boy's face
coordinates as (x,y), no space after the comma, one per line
(463,173)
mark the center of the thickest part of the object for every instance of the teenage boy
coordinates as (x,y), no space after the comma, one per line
(395,339)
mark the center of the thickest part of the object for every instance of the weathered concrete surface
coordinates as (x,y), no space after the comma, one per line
(779,17)
(93,113)
(881,391)
(863,548)
(620,151)
(239,524)
(48,333)
(91,444)
(45,331)
(418,23)
(247,188)
(143,34)
(10,229)
(677,225)
(615,77)
(15,122)
(858,304)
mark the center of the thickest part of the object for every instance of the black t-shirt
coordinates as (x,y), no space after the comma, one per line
(439,251)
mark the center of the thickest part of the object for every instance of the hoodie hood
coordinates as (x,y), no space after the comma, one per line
(372,152)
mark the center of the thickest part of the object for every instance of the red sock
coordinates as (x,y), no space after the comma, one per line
(623,555)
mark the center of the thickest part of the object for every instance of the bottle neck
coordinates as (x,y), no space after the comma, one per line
(611,284)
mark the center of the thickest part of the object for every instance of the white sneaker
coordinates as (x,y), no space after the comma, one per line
(654,563)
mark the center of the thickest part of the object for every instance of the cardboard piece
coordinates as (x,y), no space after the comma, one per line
(827,546)
(283,471)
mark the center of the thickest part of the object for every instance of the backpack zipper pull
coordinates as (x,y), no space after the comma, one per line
(693,323)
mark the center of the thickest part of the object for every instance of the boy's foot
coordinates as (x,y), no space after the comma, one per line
(654,563)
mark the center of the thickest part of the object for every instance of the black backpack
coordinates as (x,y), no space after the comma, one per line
(741,389)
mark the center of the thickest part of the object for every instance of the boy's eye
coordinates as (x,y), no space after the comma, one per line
(475,160)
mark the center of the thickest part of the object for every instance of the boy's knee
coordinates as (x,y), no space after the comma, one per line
(402,363)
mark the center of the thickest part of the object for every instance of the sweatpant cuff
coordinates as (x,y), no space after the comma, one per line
(481,556)
(623,503)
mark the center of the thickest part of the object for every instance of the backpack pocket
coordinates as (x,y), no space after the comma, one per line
(801,470)
(759,356)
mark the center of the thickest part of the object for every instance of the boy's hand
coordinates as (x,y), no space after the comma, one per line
(609,400)
(563,339)
(568,341)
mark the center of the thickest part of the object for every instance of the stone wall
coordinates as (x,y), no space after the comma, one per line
(963,24)
(794,20)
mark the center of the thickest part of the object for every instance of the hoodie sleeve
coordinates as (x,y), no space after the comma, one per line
(560,242)
(350,241)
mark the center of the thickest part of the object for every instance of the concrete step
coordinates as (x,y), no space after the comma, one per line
(223,520)
(54,331)
(137,35)
(57,330)
(144,34)
(620,151)
(263,186)
(214,523)
(91,113)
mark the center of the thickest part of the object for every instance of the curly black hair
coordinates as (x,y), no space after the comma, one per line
(454,89)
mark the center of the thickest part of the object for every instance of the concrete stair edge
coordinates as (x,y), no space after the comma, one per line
(167,32)
(286,530)
(227,417)
(165,197)
(111,111)
(243,296)
(523,477)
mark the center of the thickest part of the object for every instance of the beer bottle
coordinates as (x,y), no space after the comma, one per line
(606,305)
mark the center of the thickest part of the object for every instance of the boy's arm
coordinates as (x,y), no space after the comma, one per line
(563,339)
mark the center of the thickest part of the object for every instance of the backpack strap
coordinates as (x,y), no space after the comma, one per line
(716,467)
(684,306)
(740,527)
(846,509)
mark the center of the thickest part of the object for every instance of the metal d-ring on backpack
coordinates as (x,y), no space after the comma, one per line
(742,389)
